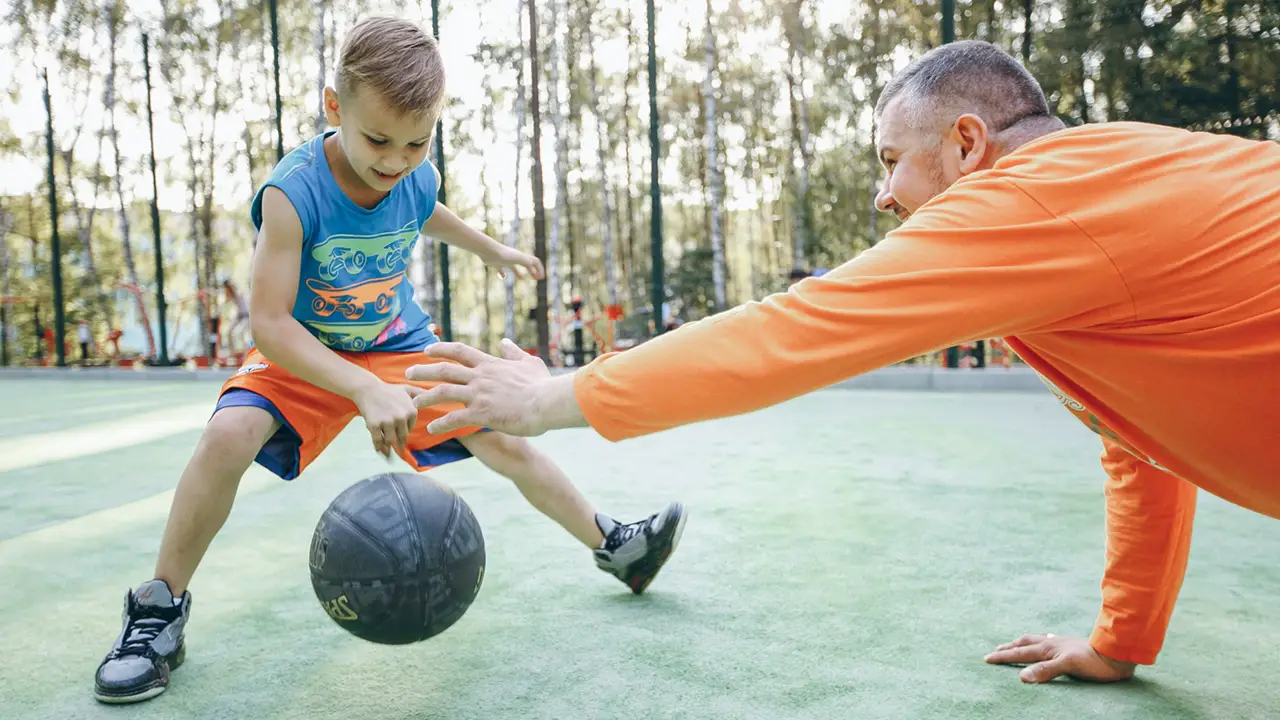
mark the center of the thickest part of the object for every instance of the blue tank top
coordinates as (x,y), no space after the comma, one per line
(354,292)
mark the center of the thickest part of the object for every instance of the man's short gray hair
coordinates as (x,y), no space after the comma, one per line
(966,77)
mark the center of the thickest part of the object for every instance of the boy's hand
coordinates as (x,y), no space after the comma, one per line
(390,414)
(508,258)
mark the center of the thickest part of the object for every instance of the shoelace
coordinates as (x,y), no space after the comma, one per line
(623,533)
(139,633)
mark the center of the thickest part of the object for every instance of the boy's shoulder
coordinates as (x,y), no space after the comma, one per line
(301,163)
(296,175)
(425,178)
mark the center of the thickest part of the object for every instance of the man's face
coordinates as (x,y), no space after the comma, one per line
(382,146)
(914,161)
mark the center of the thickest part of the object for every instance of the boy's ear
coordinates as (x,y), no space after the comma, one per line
(331,113)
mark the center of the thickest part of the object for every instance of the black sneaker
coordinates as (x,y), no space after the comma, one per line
(149,647)
(635,552)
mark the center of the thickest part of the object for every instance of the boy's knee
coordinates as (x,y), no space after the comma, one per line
(494,444)
(237,431)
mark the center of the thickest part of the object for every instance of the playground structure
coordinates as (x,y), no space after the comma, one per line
(569,333)
(131,341)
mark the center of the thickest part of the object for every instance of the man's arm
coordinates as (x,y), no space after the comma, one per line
(978,263)
(985,261)
(1149,515)
(1149,520)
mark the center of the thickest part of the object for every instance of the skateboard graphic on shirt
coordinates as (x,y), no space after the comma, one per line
(350,301)
(356,337)
(386,251)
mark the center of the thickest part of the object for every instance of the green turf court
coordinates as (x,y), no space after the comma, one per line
(852,554)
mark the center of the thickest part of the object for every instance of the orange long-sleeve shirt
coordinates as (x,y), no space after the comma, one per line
(1135,267)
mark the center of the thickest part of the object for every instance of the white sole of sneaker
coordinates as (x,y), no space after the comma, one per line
(675,538)
(126,699)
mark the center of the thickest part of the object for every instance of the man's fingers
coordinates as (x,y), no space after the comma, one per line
(439,372)
(457,352)
(1019,655)
(511,351)
(442,394)
(451,421)
(1045,671)
(1024,640)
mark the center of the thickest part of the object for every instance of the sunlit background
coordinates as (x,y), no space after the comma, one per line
(784,87)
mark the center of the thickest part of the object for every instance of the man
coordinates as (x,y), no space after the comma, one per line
(1133,266)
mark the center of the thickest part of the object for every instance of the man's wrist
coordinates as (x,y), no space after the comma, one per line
(555,404)
(1120,654)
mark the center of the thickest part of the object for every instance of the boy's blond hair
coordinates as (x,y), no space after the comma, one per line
(395,59)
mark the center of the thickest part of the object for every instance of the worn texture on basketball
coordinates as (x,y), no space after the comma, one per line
(397,558)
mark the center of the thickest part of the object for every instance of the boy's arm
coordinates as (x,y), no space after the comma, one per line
(1149,520)
(449,228)
(277,262)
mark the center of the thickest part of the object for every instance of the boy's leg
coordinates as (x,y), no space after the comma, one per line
(540,480)
(207,489)
(264,413)
(151,644)
(631,552)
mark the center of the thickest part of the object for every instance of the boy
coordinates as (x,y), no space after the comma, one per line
(336,328)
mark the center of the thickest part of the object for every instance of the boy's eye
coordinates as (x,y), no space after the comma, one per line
(416,145)
(374,141)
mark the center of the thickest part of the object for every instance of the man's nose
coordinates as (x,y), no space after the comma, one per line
(884,199)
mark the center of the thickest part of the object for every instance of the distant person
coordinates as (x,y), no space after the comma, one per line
(240,321)
(86,339)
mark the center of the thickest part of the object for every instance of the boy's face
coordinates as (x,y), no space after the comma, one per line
(382,146)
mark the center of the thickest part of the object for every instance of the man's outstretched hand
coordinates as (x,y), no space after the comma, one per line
(514,394)
(1051,656)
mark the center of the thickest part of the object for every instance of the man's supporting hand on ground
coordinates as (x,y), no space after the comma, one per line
(1051,656)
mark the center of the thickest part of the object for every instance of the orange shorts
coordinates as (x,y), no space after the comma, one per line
(310,417)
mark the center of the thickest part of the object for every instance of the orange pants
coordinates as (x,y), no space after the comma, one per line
(310,417)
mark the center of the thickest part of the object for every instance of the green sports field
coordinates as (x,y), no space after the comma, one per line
(852,554)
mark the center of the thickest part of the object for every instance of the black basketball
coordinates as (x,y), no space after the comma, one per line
(397,558)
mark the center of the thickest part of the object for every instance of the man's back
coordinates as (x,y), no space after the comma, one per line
(1191,222)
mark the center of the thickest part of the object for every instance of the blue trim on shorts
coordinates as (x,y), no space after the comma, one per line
(282,453)
(446,452)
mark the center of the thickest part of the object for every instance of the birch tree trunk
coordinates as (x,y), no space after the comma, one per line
(715,182)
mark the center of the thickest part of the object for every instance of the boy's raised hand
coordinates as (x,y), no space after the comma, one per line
(389,413)
(508,259)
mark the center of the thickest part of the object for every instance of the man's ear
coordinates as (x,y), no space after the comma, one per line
(331,114)
(971,137)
